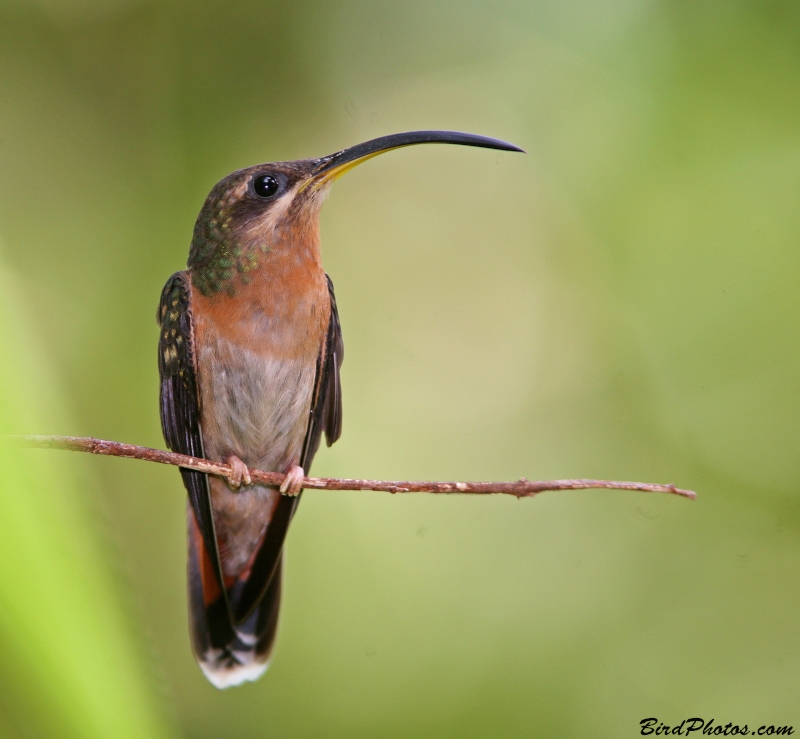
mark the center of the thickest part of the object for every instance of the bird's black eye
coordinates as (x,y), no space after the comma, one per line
(265,186)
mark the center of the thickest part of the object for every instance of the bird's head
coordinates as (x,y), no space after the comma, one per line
(255,211)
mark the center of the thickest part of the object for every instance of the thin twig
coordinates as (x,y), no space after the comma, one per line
(520,488)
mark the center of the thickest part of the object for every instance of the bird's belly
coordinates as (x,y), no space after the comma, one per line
(255,406)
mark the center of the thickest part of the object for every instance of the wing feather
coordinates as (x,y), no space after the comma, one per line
(180,401)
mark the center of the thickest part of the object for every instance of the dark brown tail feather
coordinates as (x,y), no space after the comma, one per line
(228,655)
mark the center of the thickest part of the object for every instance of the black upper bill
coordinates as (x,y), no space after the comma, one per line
(396,140)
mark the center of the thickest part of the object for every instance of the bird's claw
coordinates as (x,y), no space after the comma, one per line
(239,472)
(293,483)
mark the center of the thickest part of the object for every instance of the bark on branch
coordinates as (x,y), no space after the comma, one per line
(520,488)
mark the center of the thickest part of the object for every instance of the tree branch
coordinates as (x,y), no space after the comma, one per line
(520,488)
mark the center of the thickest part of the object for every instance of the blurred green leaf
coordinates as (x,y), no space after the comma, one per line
(68,665)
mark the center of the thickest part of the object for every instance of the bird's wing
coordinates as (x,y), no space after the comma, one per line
(326,411)
(180,409)
(325,415)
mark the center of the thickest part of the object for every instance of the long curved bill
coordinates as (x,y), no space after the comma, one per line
(335,165)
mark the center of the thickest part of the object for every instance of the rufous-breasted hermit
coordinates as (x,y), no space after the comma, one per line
(250,352)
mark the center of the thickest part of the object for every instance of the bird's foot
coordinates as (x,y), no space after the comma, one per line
(293,483)
(239,472)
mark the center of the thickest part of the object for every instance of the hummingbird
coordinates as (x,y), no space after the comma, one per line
(250,353)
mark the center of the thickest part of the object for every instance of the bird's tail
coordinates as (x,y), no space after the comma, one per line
(229,654)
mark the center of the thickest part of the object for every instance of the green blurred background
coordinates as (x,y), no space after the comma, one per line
(620,302)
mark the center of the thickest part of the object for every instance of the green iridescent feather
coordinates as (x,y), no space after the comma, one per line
(216,257)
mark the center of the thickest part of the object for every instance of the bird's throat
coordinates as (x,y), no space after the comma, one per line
(266,249)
